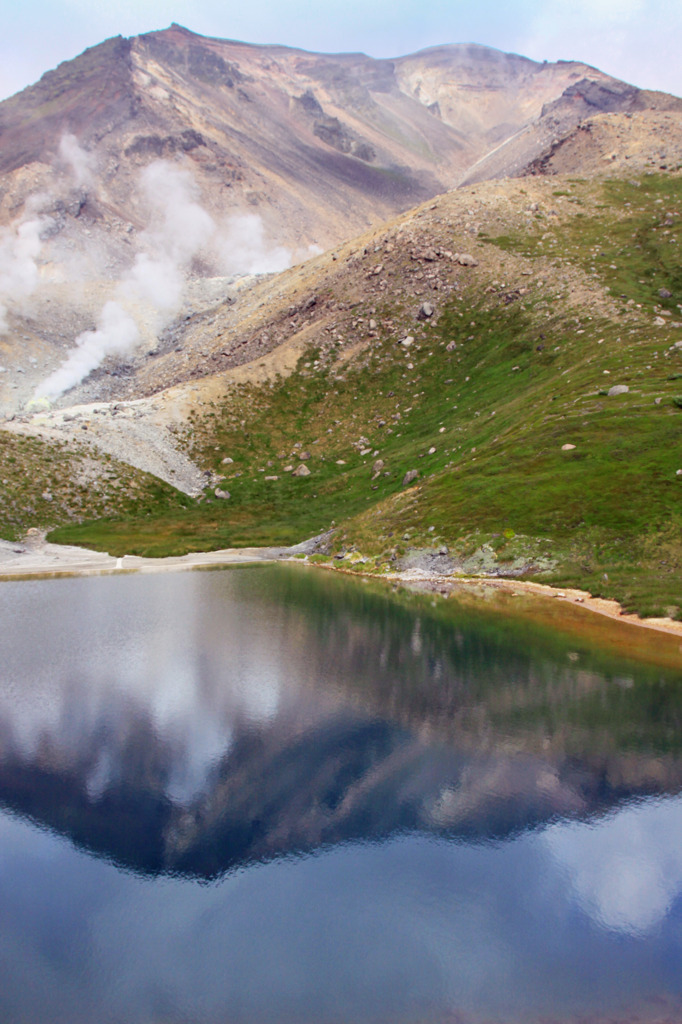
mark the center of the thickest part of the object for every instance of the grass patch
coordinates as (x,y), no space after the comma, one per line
(481,406)
(46,484)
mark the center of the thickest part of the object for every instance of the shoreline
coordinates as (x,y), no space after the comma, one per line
(512,587)
(36,559)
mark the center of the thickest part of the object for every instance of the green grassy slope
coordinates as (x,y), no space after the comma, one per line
(502,378)
(44,483)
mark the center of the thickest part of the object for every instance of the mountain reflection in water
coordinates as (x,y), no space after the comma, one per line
(494,812)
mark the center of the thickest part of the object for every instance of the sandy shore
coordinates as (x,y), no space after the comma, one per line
(611,609)
(34,557)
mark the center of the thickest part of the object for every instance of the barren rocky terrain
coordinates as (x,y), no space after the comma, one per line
(211,403)
(429,254)
(284,154)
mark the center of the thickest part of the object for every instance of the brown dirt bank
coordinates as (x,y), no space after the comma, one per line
(572,612)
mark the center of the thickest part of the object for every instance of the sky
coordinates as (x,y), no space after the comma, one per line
(639,41)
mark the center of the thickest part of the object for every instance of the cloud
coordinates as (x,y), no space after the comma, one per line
(179,230)
(626,870)
(180,226)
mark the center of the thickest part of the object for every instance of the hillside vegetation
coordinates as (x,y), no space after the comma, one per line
(576,291)
(42,483)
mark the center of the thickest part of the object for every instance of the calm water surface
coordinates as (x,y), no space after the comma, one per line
(273,795)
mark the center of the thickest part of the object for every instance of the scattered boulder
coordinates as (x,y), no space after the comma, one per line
(659,321)
(301,470)
(664,293)
(567,447)
(618,389)
(304,456)
(227,461)
(451,346)
(426,311)
(466,260)
(377,468)
(34,539)
(428,253)
(221,494)
(406,342)
(410,476)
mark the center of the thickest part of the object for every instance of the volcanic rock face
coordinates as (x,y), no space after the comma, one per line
(532,149)
(322,146)
(286,152)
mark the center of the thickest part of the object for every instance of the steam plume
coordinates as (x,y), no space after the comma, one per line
(116,334)
(19,250)
(243,248)
(180,227)
(79,161)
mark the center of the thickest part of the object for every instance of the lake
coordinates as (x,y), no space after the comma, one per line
(273,794)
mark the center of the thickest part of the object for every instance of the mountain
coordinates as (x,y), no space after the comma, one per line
(321,145)
(288,153)
(469,343)
(472,387)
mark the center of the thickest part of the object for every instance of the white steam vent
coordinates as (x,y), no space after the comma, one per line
(180,227)
(152,290)
(19,249)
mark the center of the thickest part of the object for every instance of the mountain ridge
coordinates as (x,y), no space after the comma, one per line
(307,149)
(537,288)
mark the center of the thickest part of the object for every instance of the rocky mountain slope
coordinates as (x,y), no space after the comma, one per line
(276,153)
(472,385)
(322,145)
